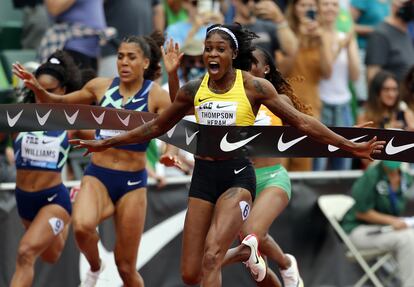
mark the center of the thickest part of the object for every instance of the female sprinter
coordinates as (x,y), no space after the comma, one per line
(114,183)
(42,200)
(273,188)
(222,189)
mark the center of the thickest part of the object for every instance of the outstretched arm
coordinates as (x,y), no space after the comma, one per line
(86,95)
(266,94)
(152,129)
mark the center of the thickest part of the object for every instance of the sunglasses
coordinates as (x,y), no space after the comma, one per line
(247,1)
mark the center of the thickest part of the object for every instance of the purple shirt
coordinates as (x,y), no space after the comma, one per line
(91,14)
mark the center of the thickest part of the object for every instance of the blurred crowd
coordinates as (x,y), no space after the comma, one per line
(351,61)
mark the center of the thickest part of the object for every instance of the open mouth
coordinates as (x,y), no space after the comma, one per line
(213,67)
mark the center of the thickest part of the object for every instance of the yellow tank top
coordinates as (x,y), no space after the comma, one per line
(228,109)
(266,118)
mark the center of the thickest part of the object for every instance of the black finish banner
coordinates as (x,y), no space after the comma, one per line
(214,141)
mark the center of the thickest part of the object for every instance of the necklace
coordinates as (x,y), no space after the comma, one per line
(212,85)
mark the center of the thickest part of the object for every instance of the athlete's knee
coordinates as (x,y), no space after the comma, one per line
(190,273)
(82,229)
(211,258)
(26,254)
(126,268)
(190,277)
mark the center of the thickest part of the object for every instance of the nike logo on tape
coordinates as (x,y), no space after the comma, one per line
(133,182)
(71,119)
(171,131)
(125,121)
(189,139)
(225,106)
(283,146)
(237,171)
(99,119)
(333,148)
(42,120)
(51,198)
(134,100)
(391,149)
(227,147)
(13,120)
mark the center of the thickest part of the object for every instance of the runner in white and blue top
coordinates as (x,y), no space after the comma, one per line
(114,182)
(43,202)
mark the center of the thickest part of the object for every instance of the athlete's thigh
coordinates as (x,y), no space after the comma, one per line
(196,226)
(129,219)
(232,208)
(92,204)
(45,227)
(266,208)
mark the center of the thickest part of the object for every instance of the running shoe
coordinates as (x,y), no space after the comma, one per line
(92,277)
(291,276)
(255,263)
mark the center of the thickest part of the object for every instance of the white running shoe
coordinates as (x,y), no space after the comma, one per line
(255,263)
(291,276)
(92,277)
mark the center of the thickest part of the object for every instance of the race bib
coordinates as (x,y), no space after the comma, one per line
(110,133)
(217,113)
(43,149)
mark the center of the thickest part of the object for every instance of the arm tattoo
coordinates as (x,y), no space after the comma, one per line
(190,89)
(259,88)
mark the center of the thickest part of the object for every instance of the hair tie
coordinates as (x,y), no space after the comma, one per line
(228,32)
(54,61)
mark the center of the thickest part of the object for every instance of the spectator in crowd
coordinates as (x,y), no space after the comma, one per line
(196,25)
(35,22)
(7,168)
(128,17)
(407,89)
(174,12)
(266,20)
(309,65)
(389,47)
(83,20)
(367,15)
(375,220)
(334,91)
(384,107)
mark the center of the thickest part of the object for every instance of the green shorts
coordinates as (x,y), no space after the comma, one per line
(273,176)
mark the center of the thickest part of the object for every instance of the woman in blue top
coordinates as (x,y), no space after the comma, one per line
(42,200)
(114,183)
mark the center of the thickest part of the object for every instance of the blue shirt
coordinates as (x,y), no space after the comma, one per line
(372,12)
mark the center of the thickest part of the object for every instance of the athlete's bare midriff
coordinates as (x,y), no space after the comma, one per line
(265,162)
(119,159)
(37,180)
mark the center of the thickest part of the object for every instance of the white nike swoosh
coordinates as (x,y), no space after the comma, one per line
(391,149)
(124,121)
(51,198)
(71,119)
(189,139)
(171,131)
(13,120)
(134,100)
(153,240)
(99,119)
(272,175)
(287,145)
(226,146)
(237,171)
(42,120)
(133,182)
(333,148)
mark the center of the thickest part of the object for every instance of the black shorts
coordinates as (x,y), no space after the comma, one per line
(212,178)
